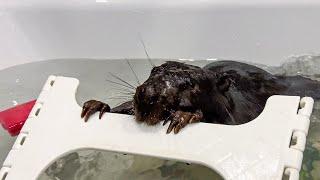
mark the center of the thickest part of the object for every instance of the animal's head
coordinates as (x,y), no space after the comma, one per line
(174,86)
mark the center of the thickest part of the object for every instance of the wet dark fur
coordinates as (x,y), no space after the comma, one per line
(193,88)
(225,92)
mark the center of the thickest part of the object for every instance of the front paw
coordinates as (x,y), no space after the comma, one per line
(180,119)
(92,106)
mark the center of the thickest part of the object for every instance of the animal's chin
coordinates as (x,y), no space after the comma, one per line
(150,119)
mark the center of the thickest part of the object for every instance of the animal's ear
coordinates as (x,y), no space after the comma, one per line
(224,82)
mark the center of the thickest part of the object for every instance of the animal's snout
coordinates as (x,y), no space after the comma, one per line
(150,91)
(146,94)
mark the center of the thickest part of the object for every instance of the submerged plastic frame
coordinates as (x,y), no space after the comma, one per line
(268,147)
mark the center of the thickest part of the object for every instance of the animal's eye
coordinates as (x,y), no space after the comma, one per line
(156,69)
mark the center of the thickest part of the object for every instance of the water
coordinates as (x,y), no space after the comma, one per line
(22,83)
(102,165)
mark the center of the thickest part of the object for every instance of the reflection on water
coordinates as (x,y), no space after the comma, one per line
(23,83)
(102,165)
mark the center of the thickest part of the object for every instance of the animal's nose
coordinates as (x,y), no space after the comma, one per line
(150,91)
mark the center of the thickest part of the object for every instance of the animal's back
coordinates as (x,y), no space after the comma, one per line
(242,69)
(252,87)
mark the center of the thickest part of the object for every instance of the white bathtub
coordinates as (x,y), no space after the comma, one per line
(266,32)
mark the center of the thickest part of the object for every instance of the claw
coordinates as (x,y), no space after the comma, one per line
(171,126)
(105,108)
(176,129)
(181,119)
(167,120)
(173,122)
(92,106)
(84,110)
(85,107)
(88,114)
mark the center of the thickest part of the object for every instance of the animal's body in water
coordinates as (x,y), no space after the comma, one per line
(224,92)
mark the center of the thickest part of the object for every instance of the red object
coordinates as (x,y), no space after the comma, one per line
(14,118)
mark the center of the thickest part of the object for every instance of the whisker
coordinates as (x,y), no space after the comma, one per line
(117,77)
(119,98)
(134,73)
(129,94)
(121,95)
(228,112)
(119,84)
(230,115)
(145,51)
(124,90)
(125,94)
(118,104)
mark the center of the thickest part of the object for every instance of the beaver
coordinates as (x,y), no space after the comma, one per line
(223,92)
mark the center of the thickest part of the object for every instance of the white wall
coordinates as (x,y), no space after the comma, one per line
(261,31)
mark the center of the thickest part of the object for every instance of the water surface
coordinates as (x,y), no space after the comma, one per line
(24,82)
